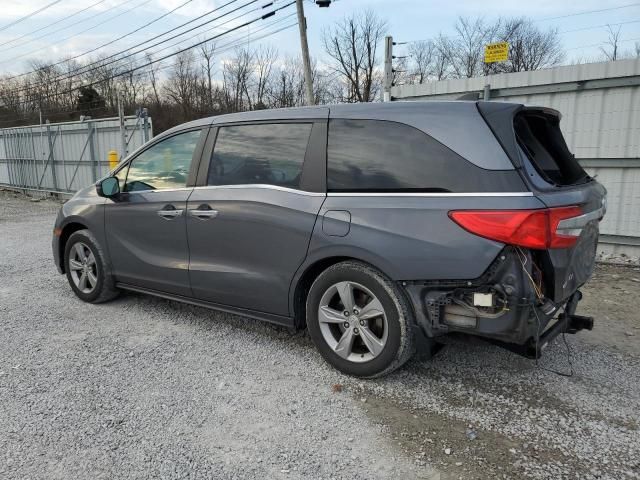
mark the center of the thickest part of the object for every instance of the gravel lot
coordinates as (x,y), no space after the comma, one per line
(142,388)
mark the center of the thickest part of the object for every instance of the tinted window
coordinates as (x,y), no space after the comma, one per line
(376,155)
(259,154)
(164,165)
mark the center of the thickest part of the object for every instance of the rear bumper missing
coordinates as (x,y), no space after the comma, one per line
(567,322)
(518,320)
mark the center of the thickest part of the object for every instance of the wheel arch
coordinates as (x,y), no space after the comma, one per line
(306,275)
(67,230)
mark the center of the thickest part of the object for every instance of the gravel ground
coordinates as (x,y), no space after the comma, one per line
(142,387)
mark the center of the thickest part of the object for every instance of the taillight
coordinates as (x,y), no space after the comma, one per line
(537,229)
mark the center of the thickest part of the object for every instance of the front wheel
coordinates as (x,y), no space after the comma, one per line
(359,320)
(87,268)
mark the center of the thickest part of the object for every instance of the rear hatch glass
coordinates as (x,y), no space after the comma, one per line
(538,134)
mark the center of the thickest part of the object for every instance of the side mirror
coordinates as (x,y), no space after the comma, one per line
(108,187)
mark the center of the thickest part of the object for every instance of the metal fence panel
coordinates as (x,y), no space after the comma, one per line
(63,157)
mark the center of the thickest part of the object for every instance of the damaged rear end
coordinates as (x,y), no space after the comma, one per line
(530,293)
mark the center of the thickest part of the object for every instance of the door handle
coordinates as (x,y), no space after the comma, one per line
(169,214)
(204,214)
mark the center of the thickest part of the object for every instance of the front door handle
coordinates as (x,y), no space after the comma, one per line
(204,214)
(169,214)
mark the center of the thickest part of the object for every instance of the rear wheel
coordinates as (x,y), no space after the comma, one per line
(359,320)
(87,268)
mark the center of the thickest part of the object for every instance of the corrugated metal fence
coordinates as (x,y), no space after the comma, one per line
(64,157)
(600,105)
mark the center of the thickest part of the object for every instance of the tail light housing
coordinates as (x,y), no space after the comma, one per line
(536,229)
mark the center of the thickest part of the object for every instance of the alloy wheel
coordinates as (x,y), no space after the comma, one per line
(353,321)
(83,268)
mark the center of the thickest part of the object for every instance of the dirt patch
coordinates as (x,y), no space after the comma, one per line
(611,297)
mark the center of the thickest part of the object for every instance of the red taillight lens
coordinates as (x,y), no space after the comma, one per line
(526,228)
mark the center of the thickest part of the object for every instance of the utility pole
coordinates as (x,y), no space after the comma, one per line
(123,132)
(388,67)
(308,80)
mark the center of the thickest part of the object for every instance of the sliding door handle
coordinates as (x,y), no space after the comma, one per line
(204,214)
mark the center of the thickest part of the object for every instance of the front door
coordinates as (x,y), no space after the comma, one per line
(145,224)
(249,226)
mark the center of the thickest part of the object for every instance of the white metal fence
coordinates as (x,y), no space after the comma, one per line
(64,157)
(600,106)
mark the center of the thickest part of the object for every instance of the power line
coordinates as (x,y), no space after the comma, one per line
(214,28)
(46,34)
(80,32)
(599,26)
(101,61)
(118,57)
(226,47)
(157,19)
(178,52)
(604,43)
(52,24)
(26,17)
(588,11)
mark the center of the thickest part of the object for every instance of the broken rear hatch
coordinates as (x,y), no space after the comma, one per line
(532,139)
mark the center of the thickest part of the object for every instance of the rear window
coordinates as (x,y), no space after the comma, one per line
(378,156)
(540,137)
(270,154)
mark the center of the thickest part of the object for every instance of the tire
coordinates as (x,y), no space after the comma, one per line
(330,333)
(102,287)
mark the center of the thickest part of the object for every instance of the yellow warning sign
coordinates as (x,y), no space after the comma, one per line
(496,52)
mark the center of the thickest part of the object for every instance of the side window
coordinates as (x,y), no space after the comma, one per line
(164,165)
(377,155)
(260,154)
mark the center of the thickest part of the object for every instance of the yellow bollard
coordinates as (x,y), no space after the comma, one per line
(113,159)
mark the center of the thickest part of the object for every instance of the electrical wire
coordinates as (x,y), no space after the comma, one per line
(533,306)
(31,32)
(118,57)
(588,11)
(101,62)
(26,17)
(151,62)
(225,47)
(132,63)
(599,26)
(242,40)
(157,19)
(624,40)
(17,57)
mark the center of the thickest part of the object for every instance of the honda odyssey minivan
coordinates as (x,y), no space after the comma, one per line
(379,227)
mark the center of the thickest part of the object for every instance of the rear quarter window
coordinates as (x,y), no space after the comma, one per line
(379,156)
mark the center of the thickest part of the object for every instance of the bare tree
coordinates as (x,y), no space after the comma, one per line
(207,50)
(465,50)
(182,81)
(263,62)
(153,79)
(236,74)
(422,54)
(353,44)
(529,47)
(613,42)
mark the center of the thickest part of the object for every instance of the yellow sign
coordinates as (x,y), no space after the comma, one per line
(496,52)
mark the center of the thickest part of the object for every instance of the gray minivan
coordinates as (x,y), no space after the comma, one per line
(379,227)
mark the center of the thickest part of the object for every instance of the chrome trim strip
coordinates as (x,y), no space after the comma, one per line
(418,194)
(263,186)
(573,226)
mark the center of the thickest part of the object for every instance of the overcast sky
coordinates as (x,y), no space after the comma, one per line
(408,20)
